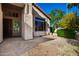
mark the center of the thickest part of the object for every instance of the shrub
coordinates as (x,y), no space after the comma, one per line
(68,21)
(77,24)
(67,33)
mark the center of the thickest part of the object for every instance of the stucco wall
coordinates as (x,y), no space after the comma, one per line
(37,13)
(1,17)
(39,33)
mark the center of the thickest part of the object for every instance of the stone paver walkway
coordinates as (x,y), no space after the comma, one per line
(18,46)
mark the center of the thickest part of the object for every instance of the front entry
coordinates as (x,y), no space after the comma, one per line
(11,28)
(7,28)
(11,20)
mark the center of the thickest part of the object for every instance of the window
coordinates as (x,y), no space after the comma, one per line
(40,24)
(11,14)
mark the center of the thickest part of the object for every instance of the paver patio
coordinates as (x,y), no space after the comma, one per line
(39,46)
(57,47)
(18,46)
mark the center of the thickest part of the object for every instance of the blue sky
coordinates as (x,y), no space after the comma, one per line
(47,7)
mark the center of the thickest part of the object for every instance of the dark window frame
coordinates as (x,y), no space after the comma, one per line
(40,24)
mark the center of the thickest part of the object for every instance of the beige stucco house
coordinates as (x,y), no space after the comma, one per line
(22,20)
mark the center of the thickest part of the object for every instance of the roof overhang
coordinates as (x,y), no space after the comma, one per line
(41,10)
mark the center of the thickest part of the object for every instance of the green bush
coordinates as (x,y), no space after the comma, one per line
(67,33)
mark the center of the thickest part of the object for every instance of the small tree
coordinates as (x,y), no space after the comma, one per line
(69,6)
(56,16)
(68,21)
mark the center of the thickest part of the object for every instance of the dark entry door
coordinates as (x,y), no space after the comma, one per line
(7,28)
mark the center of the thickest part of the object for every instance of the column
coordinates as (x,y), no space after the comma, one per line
(28,23)
(1,23)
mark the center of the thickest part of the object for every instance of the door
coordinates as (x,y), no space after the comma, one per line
(7,28)
(16,32)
